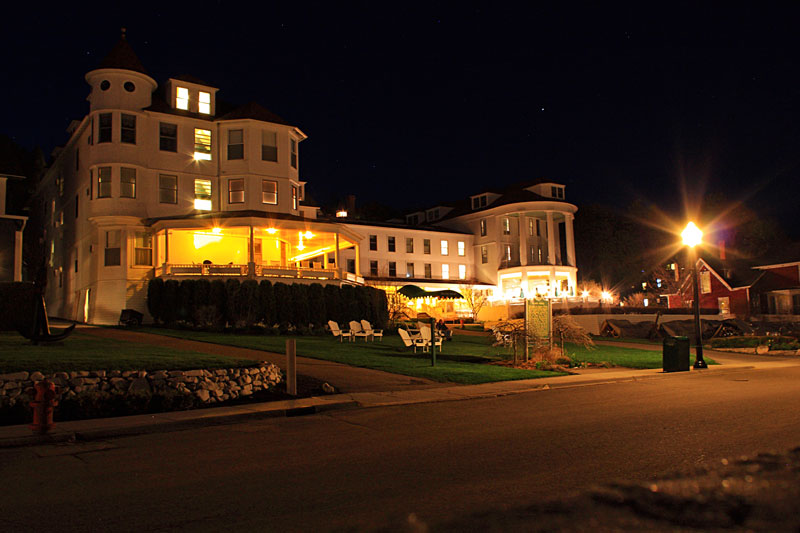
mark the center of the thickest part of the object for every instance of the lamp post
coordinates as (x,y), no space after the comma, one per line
(692,236)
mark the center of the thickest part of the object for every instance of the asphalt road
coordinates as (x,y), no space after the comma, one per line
(371,468)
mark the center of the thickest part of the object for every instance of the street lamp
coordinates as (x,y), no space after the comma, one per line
(692,236)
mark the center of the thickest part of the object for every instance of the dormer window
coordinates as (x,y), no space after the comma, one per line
(479,201)
(557,192)
(204,103)
(182,98)
(432,215)
(412,220)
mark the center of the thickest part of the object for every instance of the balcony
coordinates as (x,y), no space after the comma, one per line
(306,270)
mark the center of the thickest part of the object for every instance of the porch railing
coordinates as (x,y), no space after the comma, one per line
(273,270)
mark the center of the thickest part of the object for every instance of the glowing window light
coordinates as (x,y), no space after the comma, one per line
(202,144)
(217,231)
(606,296)
(202,205)
(308,235)
(182,99)
(204,103)
(341,214)
(271,231)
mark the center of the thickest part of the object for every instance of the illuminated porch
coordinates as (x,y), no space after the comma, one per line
(537,281)
(254,248)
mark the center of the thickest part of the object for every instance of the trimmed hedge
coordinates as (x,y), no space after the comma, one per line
(246,303)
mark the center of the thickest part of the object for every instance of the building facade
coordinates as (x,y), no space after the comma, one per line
(166,181)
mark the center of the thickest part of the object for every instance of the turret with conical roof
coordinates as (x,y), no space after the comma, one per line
(120,81)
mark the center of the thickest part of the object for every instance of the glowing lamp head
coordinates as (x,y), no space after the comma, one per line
(271,231)
(308,235)
(216,231)
(606,296)
(692,236)
(585,294)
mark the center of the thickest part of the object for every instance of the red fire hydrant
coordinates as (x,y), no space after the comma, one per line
(43,406)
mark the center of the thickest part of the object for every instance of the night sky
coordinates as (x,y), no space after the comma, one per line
(410,106)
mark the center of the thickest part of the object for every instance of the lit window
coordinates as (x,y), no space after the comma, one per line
(409,245)
(269,146)
(182,98)
(127,132)
(531,227)
(269,192)
(409,270)
(112,250)
(445,271)
(392,269)
(293,145)
(428,271)
(373,242)
(104,182)
(705,282)
(127,182)
(143,249)
(202,144)
(202,194)
(426,246)
(236,191)
(294,197)
(507,252)
(483,227)
(204,103)
(462,271)
(373,268)
(462,248)
(104,128)
(484,254)
(506,226)
(168,137)
(390,244)
(444,247)
(235,144)
(167,189)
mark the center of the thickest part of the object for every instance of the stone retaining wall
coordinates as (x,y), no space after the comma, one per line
(209,386)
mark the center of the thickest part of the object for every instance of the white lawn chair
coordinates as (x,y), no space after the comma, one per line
(356,330)
(367,327)
(409,341)
(425,333)
(338,332)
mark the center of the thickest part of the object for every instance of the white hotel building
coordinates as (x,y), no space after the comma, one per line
(162,182)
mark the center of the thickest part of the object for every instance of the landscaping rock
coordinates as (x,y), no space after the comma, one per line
(36,376)
(202,394)
(14,376)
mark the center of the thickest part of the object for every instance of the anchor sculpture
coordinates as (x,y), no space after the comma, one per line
(22,309)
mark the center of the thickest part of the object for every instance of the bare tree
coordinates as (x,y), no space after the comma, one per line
(475,298)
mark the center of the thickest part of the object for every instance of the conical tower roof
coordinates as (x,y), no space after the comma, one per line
(123,57)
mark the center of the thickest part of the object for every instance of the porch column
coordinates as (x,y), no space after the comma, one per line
(568,218)
(551,239)
(18,253)
(358,259)
(325,260)
(523,239)
(336,255)
(552,281)
(251,256)
(166,252)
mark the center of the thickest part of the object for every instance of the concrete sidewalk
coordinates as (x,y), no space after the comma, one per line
(173,421)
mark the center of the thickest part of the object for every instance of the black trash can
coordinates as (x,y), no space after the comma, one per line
(675,357)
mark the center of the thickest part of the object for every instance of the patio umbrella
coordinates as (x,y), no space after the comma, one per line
(412,292)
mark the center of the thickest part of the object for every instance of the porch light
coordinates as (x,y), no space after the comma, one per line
(217,231)
(341,214)
(271,231)
(606,296)
(309,235)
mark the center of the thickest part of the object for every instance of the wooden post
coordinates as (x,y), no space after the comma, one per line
(291,367)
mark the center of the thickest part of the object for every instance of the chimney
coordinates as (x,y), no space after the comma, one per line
(721,247)
(350,203)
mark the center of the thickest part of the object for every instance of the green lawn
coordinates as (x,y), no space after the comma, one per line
(85,352)
(463,360)
(621,356)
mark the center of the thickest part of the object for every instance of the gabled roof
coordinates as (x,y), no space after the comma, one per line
(512,194)
(123,57)
(191,79)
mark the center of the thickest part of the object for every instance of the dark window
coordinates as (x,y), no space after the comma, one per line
(390,244)
(129,86)
(167,189)
(426,246)
(293,145)
(269,192)
(269,146)
(373,268)
(235,144)
(351,266)
(104,182)
(373,242)
(127,132)
(112,249)
(168,137)
(104,128)
(127,182)
(428,274)
(236,191)
(484,254)
(409,270)
(392,269)
(409,245)
(143,249)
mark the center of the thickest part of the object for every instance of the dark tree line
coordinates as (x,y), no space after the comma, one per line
(217,303)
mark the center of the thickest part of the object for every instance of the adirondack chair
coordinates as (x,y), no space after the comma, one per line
(367,327)
(342,334)
(409,342)
(357,331)
(425,333)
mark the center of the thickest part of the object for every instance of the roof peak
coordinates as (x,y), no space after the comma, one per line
(122,56)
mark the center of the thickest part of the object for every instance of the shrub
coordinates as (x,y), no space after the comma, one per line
(217,298)
(233,312)
(169,303)
(248,302)
(283,303)
(266,303)
(333,303)
(302,312)
(155,293)
(316,300)
(186,303)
